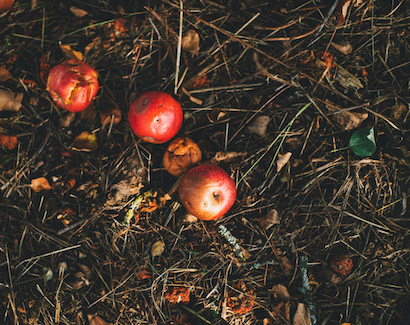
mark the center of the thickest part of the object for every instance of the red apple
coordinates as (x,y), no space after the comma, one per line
(155,117)
(73,85)
(207,192)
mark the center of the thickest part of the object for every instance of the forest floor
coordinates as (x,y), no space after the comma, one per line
(273,92)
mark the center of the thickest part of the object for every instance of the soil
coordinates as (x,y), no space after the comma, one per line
(92,229)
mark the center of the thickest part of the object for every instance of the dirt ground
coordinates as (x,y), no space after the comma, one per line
(92,227)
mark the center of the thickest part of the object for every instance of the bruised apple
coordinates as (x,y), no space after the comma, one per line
(73,85)
(207,192)
(155,117)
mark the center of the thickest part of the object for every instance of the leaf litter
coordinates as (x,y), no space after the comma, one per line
(256,81)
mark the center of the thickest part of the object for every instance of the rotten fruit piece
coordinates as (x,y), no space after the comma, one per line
(73,85)
(176,295)
(342,264)
(155,117)
(207,192)
(240,300)
(181,154)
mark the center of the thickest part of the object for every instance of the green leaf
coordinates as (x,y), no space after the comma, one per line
(362,142)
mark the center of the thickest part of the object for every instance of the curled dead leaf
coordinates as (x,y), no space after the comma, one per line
(109,114)
(86,141)
(96,320)
(347,120)
(223,155)
(343,48)
(8,142)
(190,42)
(302,315)
(280,292)
(157,248)
(259,125)
(4,74)
(282,160)
(10,101)
(78,12)
(271,219)
(40,184)
(66,120)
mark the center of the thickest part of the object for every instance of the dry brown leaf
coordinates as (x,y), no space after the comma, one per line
(190,42)
(107,115)
(222,155)
(86,142)
(345,49)
(302,315)
(259,125)
(281,293)
(282,160)
(157,248)
(78,12)
(40,184)
(4,74)
(65,121)
(271,219)
(8,142)
(70,53)
(190,218)
(10,101)
(347,120)
(399,111)
(96,320)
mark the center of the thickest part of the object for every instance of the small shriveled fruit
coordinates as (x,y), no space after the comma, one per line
(207,192)
(155,117)
(73,85)
(342,264)
(181,154)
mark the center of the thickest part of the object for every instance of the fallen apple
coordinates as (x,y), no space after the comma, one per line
(182,153)
(207,192)
(6,4)
(73,85)
(155,117)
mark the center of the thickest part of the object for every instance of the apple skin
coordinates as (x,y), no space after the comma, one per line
(207,192)
(73,85)
(155,117)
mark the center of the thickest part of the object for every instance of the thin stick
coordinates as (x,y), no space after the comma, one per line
(181,20)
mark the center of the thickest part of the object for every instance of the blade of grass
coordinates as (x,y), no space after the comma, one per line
(282,133)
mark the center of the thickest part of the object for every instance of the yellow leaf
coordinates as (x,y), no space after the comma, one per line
(40,184)
(86,141)
(70,53)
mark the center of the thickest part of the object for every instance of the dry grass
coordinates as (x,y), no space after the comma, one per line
(255,59)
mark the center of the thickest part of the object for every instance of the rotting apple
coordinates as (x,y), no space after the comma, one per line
(182,153)
(73,85)
(155,117)
(207,191)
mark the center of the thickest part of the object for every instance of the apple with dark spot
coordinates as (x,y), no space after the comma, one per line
(207,191)
(73,85)
(155,117)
